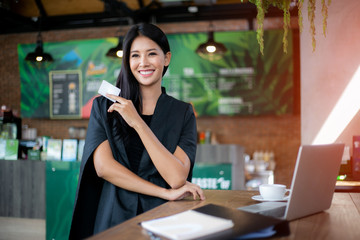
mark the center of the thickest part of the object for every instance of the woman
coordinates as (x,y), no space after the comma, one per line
(140,150)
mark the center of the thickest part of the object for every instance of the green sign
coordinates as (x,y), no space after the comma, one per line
(212,175)
(243,82)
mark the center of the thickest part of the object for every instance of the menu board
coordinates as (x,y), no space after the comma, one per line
(65,94)
(214,93)
(242,82)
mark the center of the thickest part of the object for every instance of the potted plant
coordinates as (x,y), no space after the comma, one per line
(284,5)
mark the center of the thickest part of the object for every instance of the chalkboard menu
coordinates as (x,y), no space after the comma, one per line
(65,94)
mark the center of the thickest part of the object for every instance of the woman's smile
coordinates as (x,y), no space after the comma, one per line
(146,73)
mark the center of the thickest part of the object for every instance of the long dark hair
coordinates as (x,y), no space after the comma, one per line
(126,81)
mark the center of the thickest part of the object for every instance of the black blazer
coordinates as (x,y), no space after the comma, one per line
(99,204)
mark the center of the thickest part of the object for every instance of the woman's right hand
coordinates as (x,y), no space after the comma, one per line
(188,189)
(126,109)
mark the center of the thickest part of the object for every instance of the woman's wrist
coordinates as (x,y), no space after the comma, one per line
(140,125)
(164,193)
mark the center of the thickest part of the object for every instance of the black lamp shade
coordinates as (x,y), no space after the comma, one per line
(116,52)
(39,55)
(211,50)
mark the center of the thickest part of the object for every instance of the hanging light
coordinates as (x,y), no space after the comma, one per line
(39,55)
(116,52)
(211,50)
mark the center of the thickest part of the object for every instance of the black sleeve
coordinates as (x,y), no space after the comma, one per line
(89,184)
(188,138)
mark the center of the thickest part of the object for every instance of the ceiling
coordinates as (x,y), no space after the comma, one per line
(17,16)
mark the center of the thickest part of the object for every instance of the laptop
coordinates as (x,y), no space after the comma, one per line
(313,184)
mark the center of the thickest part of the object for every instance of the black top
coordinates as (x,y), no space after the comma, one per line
(135,147)
(99,204)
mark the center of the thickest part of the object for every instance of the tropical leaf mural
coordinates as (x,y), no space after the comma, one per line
(88,56)
(243,82)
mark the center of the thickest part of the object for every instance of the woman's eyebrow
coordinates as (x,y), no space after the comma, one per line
(148,50)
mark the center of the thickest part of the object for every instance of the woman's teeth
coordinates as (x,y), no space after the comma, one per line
(146,72)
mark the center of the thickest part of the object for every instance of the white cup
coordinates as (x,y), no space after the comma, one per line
(273,191)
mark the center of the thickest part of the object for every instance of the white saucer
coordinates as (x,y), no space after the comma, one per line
(261,199)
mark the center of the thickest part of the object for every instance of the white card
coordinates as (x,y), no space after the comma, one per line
(106,87)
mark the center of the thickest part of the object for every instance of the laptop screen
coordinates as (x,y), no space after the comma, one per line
(314,179)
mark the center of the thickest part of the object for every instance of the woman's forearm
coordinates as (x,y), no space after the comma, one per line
(174,168)
(112,171)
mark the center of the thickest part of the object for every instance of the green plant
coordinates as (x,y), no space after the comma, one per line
(263,5)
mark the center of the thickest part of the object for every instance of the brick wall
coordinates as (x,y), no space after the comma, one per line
(280,134)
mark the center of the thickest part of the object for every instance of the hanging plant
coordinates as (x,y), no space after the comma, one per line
(263,5)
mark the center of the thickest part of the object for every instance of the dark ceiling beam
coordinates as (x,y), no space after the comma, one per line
(85,21)
(117,7)
(141,3)
(206,13)
(41,8)
(13,23)
(10,22)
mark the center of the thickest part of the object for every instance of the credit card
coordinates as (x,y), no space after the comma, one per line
(106,88)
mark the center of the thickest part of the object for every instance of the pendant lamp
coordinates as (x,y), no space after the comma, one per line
(116,52)
(39,55)
(211,50)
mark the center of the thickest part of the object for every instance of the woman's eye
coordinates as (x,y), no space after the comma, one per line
(152,53)
(134,55)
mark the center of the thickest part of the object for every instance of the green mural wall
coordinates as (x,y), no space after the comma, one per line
(243,82)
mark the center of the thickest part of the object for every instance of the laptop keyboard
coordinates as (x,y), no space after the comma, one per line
(272,209)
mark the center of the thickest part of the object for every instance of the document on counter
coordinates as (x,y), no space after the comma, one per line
(214,222)
(190,224)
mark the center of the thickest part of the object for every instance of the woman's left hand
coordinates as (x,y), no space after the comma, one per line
(126,109)
(188,189)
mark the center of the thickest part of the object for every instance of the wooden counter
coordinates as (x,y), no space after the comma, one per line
(341,221)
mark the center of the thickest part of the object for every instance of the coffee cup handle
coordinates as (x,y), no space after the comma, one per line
(287,191)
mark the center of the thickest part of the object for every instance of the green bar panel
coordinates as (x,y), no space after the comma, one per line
(212,175)
(61,183)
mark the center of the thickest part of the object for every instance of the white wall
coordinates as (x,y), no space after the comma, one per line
(330,76)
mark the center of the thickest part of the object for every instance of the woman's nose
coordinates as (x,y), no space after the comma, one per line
(144,61)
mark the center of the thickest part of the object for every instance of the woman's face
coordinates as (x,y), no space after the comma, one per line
(147,61)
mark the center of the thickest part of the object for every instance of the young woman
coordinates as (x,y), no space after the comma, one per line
(139,151)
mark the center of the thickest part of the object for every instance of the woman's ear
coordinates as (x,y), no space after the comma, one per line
(167,58)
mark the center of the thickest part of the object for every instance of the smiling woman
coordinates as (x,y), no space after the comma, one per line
(147,62)
(131,162)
